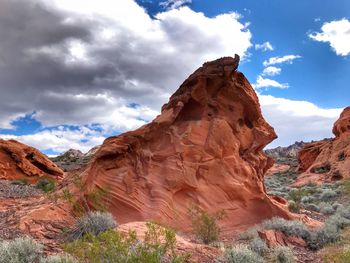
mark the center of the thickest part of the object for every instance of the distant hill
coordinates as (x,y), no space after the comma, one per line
(290,151)
(74,159)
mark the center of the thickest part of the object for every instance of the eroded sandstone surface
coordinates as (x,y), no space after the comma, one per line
(327,160)
(19,161)
(204,149)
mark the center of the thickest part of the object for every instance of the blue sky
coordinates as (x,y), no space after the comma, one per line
(75,72)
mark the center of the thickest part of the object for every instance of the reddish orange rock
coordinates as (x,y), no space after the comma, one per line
(205,149)
(19,161)
(275,238)
(327,160)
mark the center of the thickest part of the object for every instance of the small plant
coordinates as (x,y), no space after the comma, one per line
(93,223)
(321,169)
(20,250)
(111,246)
(64,258)
(205,226)
(259,246)
(294,206)
(283,254)
(45,185)
(341,156)
(242,254)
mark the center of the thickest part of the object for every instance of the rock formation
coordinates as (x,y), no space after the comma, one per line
(327,160)
(204,149)
(290,151)
(19,161)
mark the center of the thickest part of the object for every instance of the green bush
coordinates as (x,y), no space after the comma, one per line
(45,185)
(20,250)
(242,254)
(283,254)
(205,226)
(259,246)
(64,258)
(112,246)
(93,223)
(294,206)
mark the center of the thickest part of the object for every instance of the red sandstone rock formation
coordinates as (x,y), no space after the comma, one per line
(19,161)
(204,149)
(327,160)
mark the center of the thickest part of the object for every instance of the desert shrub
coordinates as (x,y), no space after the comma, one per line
(290,228)
(63,258)
(307,199)
(344,212)
(250,233)
(338,257)
(326,209)
(242,254)
(312,207)
(294,206)
(283,254)
(341,156)
(258,246)
(111,246)
(20,250)
(321,169)
(45,185)
(338,220)
(205,226)
(327,234)
(93,223)
(328,195)
(297,194)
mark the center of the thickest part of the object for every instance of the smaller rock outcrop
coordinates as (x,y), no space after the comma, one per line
(20,161)
(329,159)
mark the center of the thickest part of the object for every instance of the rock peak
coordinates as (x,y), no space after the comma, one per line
(342,125)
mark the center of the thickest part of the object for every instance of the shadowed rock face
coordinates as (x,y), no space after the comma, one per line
(19,161)
(327,160)
(205,148)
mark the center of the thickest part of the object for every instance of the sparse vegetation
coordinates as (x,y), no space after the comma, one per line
(20,250)
(46,185)
(93,223)
(283,254)
(62,258)
(112,246)
(259,246)
(205,226)
(242,254)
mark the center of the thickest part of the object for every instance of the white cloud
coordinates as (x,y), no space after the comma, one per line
(271,71)
(337,33)
(278,60)
(297,120)
(265,83)
(171,4)
(264,46)
(61,139)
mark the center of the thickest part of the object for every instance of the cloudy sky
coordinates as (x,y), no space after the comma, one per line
(73,72)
